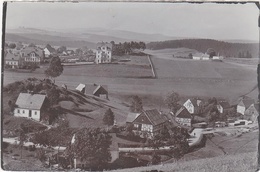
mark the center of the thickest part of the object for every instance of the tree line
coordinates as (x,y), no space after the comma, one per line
(202,45)
(126,47)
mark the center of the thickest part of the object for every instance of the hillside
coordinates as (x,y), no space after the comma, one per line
(223,48)
(79,109)
(43,39)
(245,162)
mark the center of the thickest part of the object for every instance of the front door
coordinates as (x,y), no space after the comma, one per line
(30,113)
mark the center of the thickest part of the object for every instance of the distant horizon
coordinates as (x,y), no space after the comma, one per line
(205,21)
(69,30)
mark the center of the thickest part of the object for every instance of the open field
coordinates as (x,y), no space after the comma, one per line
(171,53)
(187,77)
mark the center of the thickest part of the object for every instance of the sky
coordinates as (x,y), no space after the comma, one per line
(208,20)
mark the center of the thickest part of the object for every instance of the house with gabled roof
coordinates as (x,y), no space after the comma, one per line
(252,112)
(49,50)
(244,104)
(192,105)
(149,123)
(94,89)
(29,106)
(32,55)
(183,117)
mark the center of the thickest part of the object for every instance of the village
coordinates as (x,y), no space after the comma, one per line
(143,136)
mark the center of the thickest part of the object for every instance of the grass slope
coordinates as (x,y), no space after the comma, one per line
(245,162)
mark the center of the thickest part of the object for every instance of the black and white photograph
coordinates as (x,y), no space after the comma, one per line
(130,86)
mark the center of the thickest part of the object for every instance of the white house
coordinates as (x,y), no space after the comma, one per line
(103,53)
(192,105)
(183,117)
(29,106)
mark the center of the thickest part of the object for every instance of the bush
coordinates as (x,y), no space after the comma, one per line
(32,148)
(16,154)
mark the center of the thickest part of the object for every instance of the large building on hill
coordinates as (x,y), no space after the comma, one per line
(29,106)
(103,53)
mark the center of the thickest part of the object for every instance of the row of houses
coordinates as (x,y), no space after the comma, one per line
(25,56)
(150,122)
(28,55)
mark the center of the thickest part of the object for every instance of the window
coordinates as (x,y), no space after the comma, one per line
(35,113)
(23,111)
(18,110)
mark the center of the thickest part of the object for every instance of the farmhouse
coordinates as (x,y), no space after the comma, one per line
(94,89)
(244,104)
(222,106)
(192,105)
(48,50)
(183,117)
(32,55)
(29,106)
(12,60)
(252,112)
(103,53)
(149,123)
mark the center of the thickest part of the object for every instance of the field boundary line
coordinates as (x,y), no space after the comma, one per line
(152,66)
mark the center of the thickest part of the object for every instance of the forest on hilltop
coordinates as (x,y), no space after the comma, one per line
(225,49)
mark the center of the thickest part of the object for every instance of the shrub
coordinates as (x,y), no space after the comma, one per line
(16,154)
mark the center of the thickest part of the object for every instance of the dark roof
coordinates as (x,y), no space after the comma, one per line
(9,56)
(50,48)
(183,113)
(132,116)
(154,116)
(100,44)
(28,50)
(30,101)
(248,102)
(224,104)
(93,88)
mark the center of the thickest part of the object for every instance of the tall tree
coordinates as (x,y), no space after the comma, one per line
(109,117)
(92,147)
(172,101)
(136,104)
(55,69)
